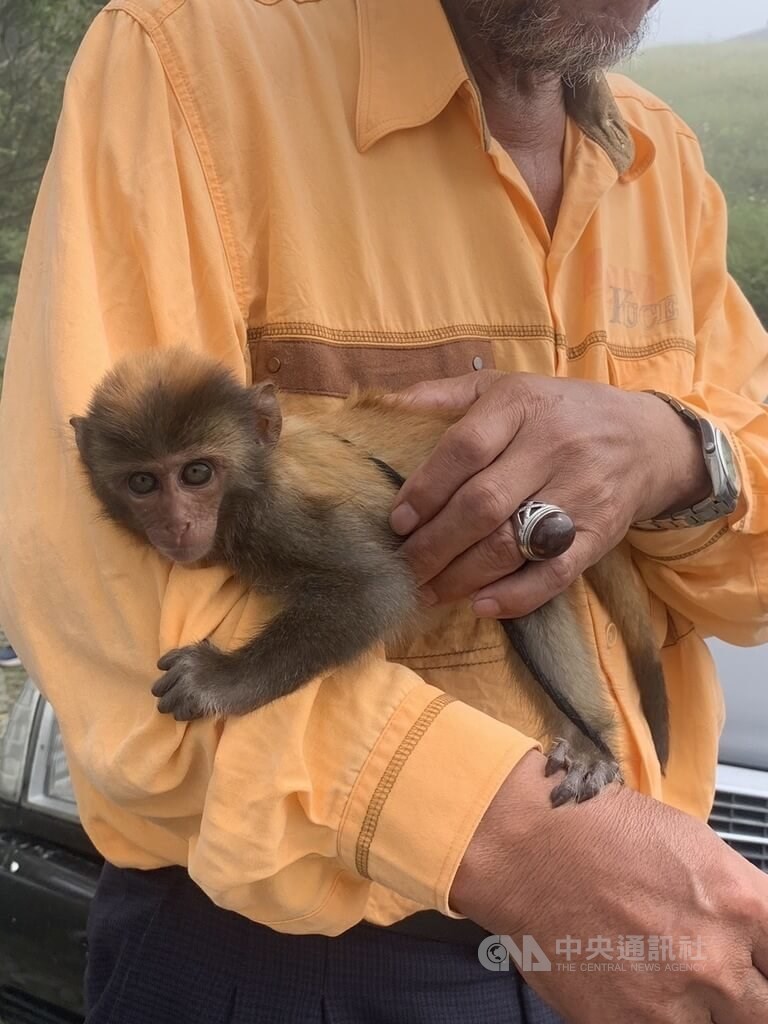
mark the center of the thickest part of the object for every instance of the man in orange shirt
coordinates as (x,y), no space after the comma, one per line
(397,194)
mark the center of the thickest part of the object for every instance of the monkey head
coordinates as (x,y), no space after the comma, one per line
(167,437)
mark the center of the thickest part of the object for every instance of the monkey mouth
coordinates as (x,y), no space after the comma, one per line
(184,554)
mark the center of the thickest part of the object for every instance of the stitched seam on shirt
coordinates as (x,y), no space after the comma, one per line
(362,116)
(436,334)
(661,109)
(694,551)
(363,121)
(630,351)
(672,628)
(437,106)
(147,20)
(445,654)
(450,665)
(183,94)
(388,779)
(678,638)
(688,135)
(439,335)
(744,523)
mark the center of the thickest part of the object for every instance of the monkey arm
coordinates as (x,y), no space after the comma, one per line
(716,576)
(330,619)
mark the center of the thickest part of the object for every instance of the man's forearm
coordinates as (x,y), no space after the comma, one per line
(622,864)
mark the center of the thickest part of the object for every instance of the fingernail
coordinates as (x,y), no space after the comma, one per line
(427,596)
(486,607)
(404,518)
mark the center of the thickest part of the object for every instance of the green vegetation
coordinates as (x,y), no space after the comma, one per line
(721,90)
(37,41)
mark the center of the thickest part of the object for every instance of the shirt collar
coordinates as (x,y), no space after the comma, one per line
(411,67)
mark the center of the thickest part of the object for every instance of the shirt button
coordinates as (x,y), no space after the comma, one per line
(477,363)
(611,634)
(273,364)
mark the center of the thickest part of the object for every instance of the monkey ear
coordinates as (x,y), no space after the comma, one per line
(78,424)
(266,410)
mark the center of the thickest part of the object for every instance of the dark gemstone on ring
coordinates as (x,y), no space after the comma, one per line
(552,536)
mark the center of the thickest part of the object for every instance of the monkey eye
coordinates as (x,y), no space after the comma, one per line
(195,474)
(142,483)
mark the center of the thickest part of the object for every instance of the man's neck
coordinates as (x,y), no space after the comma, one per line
(525,113)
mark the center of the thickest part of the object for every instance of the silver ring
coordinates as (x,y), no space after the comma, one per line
(535,544)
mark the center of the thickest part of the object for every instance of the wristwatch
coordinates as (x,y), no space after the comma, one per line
(723,472)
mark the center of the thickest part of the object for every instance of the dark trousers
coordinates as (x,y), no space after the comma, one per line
(161,953)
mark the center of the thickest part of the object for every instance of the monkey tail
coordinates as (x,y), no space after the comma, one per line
(613,580)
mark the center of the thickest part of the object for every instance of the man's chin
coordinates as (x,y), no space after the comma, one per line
(558,37)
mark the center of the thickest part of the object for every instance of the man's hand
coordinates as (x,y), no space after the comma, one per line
(620,865)
(607,457)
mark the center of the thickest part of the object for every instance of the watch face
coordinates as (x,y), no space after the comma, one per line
(728,462)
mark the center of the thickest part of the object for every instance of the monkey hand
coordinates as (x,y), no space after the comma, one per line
(196,681)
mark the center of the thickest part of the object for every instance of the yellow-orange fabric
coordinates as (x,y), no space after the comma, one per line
(308,191)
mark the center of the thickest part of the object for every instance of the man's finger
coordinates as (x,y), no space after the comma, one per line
(535,584)
(486,562)
(465,449)
(479,511)
(449,393)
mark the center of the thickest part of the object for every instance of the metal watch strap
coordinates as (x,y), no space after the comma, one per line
(706,511)
(680,409)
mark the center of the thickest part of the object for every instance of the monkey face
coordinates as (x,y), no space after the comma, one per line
(175,503)
(169,436)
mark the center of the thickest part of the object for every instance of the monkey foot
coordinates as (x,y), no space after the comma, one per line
(586,773)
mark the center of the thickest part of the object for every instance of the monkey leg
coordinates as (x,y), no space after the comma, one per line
(552,663)
(550,644)
(614,581)
(587,769)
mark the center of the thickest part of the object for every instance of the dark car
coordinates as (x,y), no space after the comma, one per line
(49,869)
(48,872)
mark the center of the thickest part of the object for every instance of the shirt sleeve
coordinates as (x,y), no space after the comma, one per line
(717,575)
(286,815)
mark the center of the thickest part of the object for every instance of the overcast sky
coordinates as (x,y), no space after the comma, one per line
(680,21)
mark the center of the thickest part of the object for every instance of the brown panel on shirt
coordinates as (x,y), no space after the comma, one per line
(311,366)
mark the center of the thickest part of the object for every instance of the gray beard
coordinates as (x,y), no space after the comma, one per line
(545,37)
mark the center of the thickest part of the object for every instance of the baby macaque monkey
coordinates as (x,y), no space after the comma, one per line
(183,456)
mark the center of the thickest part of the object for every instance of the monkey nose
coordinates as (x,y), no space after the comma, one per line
(180,532)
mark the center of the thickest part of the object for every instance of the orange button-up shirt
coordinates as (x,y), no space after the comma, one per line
(309,191)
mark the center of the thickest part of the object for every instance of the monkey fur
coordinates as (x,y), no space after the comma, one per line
(183,456)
